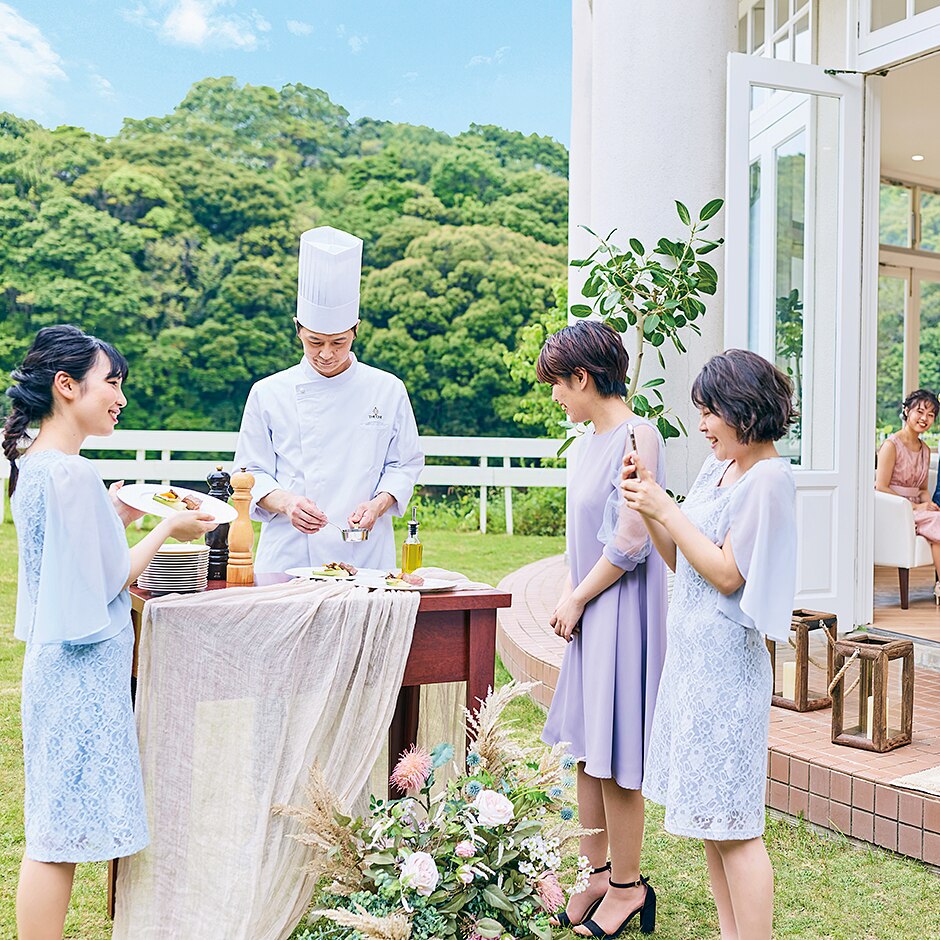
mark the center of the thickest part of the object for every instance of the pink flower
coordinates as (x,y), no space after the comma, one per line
(549,891)
(412,770)
(465,874)
(465,849)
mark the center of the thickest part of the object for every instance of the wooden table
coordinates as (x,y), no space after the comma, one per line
(454,641)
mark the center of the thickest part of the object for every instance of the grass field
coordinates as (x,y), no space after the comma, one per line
(827,889)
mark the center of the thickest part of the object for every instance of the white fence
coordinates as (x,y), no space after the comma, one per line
(494,458)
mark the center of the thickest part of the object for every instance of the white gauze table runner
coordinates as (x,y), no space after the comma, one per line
(238,692)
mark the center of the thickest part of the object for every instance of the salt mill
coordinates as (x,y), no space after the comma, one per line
(217,540)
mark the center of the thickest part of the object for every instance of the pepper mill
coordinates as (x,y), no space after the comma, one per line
(217,539)
(240,569)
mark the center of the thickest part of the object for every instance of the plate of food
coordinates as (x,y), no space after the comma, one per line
(398,581)
(333,571)
(158,500)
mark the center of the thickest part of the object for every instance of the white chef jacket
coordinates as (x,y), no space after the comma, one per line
(338,441)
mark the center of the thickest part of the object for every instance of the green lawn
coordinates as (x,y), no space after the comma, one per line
(826,888)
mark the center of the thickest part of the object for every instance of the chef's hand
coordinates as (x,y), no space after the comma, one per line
(305,515)
(366,514)
(564,621)
(642,492)
(127,514)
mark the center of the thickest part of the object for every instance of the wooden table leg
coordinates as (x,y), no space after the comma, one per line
(481,639)
(403,731)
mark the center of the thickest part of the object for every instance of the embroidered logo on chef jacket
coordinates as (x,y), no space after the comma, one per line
(375,414)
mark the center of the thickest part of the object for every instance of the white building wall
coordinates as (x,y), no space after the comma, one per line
(648,128)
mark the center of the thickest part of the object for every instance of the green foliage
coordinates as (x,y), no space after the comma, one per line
(656,293)
(176,240)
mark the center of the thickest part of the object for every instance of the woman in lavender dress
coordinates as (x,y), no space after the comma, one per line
(612,613)
(732,544)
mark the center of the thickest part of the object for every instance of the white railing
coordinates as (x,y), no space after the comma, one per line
(494,457)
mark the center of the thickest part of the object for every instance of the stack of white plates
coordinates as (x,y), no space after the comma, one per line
(177,569)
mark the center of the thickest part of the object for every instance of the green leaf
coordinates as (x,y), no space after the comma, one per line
(710,209)
(650,325)
(542,931)
(379,858)
(640,404)
(456,904)
(704,268)
(495,898)
(710,246)
(442,754)
(618,323)
(488,928)
(580,310)
(637,246)
(565,444)
(652,383)
(683,213)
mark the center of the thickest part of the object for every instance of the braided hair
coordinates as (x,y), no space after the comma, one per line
(55,349)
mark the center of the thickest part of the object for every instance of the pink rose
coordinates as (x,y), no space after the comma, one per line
(493,808)
(465,849)
(420,873)
(465,874)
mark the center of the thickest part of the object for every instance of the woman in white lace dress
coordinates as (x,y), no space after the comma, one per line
(84,795)
(732,544)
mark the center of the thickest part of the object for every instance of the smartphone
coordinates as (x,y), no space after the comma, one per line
(632,439)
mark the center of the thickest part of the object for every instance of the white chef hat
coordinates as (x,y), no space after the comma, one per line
(328,280)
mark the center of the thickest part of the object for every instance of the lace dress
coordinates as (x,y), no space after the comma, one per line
(84,792)
(707,760)
(603,704)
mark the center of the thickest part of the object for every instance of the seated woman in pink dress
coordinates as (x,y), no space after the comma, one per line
(903,462)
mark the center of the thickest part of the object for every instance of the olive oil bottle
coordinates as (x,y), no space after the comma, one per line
(412,550)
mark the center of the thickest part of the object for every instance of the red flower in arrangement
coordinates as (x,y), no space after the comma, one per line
(550,892)
(412,770)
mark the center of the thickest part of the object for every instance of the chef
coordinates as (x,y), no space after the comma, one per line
(330,439)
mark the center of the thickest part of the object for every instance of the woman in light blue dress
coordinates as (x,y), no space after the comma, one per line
(732,544)
(84,794)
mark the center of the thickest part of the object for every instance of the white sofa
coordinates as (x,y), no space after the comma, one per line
(896,544)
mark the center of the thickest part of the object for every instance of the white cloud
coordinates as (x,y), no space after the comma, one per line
(395,102)
(341,30)
(299,28)
(357,42)
(493,59)
(102,86)
(28,64)
(410,76)
(201,23)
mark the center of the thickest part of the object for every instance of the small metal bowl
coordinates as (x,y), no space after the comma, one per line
(355,535)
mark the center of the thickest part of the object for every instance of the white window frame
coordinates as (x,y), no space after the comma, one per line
(771,35)
(871,50)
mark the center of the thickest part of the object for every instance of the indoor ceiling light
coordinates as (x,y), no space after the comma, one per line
(918,157)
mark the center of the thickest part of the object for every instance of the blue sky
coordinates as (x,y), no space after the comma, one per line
(445,64)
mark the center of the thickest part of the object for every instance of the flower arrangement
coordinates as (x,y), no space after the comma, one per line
(479,860)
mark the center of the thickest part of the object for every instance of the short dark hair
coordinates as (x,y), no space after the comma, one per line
(747,392)
(592,346)
(920,395)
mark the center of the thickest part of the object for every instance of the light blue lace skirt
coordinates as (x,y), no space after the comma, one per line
(84,792)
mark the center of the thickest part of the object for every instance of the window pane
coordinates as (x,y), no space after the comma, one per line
(894,221)
(742,34)
(789,287)
(922,6)
(782,46)
(886,12)
(757,26)
(753,258)
(781,13)
(929,221)
(890,385)
(802,49)
(929,371)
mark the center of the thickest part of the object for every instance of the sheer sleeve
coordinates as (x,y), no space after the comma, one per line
(761,522)
(623,532)
(85,560)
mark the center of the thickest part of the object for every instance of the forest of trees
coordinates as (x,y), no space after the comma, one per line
(177,240)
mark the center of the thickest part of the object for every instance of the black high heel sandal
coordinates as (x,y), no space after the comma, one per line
(647,912)
(565,921)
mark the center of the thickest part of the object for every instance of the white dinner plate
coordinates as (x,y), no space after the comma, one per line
(316,573)
(140,496)
(430,586)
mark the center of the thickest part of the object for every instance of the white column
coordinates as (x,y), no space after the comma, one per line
(656,98)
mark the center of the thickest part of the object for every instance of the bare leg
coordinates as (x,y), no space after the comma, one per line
(721,893)
(590,816)
(750,880)
(935,551)
(625,812)
(42,899)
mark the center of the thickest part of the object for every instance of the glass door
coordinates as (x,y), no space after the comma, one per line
(793,273)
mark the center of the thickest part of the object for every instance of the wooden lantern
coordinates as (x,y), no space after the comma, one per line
(241,538)
(875,712)
(803,667)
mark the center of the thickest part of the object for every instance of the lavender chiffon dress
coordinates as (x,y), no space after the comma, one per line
(603,705)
